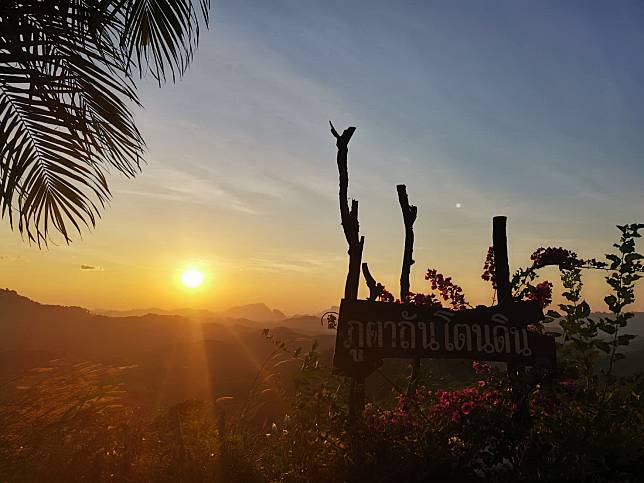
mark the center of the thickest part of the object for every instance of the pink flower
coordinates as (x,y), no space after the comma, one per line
(456,416)
(481,367)
(489,274)
(466,407)
(487,395)
(562,257)
(542,293)
(447,289)
(443,398)
(482,383)
(424,300)
(569,385)
(469,391)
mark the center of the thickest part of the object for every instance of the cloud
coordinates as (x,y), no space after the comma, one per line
(175,185)
(297,263)
(12,258)
(91,268)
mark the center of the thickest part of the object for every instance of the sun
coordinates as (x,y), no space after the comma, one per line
(192,278)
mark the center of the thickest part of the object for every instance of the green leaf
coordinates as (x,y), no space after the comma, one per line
(625,339)
(609,329)
(610,300)
(631,257)
(627,247)
(602,345)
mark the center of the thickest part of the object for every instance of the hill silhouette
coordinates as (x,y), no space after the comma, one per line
(258,312)
(170,358)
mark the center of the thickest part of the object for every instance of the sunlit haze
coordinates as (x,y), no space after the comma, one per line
(532,110)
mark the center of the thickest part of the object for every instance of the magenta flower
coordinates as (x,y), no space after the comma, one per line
(569,385)
(542,293)
(469,391)
(489,274)
(562,257)
(447,289)
(466,407)
(424,300)
(481,367)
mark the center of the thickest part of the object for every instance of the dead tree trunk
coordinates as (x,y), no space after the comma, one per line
(516,372)
(501,264)
(409,213)
(348,217)
(351,228)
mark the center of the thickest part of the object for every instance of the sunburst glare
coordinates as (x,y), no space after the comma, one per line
(192,278)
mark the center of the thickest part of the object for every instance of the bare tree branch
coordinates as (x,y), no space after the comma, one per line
(375,288)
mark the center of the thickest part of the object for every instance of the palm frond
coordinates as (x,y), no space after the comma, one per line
(66,92)
(161,35)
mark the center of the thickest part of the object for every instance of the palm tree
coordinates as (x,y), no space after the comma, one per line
(67,85)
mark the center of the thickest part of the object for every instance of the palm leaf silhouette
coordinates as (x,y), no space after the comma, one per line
(67,71)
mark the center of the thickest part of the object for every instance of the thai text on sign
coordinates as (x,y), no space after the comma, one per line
(369,331)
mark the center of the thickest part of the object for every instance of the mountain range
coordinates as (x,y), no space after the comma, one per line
(170,357)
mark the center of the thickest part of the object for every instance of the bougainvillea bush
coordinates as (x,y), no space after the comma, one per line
(579,422)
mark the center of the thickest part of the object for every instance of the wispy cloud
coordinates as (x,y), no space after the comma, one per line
(298,263)
(181,186)
(90,268)
(12,258)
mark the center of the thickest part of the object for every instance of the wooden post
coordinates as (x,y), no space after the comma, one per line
(409,213)
(504,296)
(501,263)
(351,228)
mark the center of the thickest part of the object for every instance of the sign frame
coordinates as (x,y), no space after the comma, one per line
(369,331)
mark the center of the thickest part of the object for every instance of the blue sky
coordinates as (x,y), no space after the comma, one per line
(533,110)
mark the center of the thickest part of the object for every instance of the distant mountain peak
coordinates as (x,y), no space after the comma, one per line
(258,312)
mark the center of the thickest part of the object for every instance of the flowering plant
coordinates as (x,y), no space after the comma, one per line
(463,423)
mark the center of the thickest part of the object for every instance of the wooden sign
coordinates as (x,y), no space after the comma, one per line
(370,331)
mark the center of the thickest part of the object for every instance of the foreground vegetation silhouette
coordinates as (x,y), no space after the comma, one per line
(584,422)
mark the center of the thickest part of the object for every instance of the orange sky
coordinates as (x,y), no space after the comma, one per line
(241,177)
(143,271)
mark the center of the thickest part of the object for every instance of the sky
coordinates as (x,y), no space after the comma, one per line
(533,110)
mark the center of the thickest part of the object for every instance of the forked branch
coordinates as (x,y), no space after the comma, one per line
(348,217)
